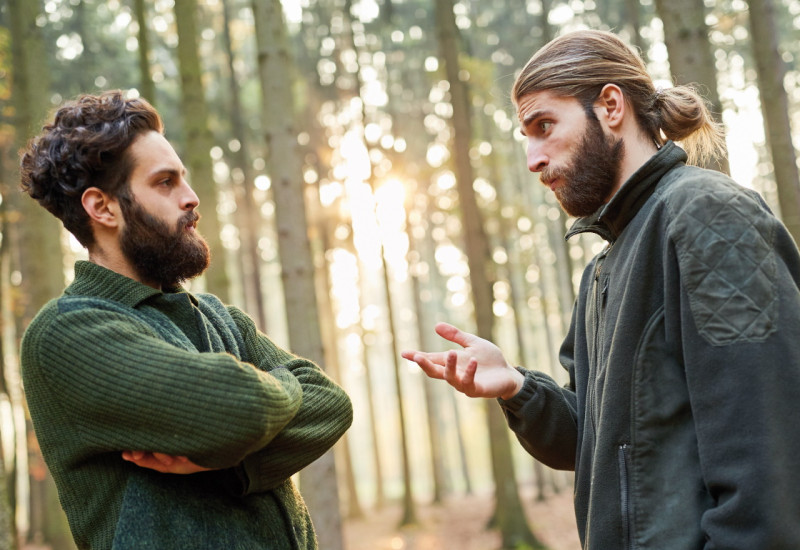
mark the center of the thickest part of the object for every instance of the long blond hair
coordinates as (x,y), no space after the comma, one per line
(578,64)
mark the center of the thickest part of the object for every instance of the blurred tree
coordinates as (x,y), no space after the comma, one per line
(318,480)
(409,515)
(147,88)
(691,57)
(509,514)
(250,218)
(42,274)
(771,70)
(199,141)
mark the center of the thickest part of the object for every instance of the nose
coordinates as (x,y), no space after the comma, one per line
(189,199)
(536,159)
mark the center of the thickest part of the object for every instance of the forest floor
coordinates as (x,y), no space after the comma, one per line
(460,524)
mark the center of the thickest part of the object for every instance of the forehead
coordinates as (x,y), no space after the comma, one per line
(545,103)
(152,153)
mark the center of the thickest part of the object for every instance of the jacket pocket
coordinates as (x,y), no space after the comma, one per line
(625,495)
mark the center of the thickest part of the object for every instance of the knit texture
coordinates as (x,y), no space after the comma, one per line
(115,365)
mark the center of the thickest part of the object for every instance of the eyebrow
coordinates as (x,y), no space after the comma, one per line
(528,120)
(166,172)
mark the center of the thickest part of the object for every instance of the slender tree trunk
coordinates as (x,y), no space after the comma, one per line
(509,512)
(147,88)
(297,268)
(691,59)
(409,512)
(36,229)
(198,142)
(775,108)
(250,220)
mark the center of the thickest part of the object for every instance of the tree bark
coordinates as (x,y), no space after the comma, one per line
(147,88)
(198,143)
(771,71)
(297,270)
(509,513)
(691,59)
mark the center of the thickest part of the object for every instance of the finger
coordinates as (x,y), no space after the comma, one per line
(455,335)
(164,459)
(436,357)
(451,370)
(468,378)
(430,368)
(132,455)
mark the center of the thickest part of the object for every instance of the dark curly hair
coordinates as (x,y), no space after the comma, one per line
(85,146)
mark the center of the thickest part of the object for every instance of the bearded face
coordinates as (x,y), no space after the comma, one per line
(161,254)
(591,173)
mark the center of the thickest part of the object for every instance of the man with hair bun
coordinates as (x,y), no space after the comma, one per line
(167,419)
(683,355)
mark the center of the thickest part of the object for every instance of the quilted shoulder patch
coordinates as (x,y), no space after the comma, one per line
(727,262)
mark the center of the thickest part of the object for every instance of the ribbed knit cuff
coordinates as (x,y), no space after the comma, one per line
(523,395)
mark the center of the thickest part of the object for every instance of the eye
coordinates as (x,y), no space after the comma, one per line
(545,126)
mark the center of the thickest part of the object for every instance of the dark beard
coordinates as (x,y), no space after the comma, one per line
(591,174)
(158,254)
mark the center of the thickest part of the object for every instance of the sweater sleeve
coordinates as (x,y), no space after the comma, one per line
(325,414)
(128,389)
(737,305)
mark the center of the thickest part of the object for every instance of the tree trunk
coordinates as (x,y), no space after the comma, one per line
(775,108)
(409,513)
(250,220)
(691,59)
(297,269)
(147,88)
(509,512)
(35,228)
(198,142)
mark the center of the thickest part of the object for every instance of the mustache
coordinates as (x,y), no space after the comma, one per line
(549,173)
(190,218)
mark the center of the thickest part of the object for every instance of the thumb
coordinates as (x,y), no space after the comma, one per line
(455,335)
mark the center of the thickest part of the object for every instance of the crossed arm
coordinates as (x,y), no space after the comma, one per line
(324,415)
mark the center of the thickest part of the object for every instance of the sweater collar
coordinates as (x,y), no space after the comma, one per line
(94,280)
(611,219)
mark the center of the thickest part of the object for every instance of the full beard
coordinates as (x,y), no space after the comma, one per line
(591,175)
(161,255)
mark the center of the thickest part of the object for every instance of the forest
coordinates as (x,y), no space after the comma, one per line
(361,177)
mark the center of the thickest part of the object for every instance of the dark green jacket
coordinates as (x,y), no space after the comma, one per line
(116,365)
(680,415)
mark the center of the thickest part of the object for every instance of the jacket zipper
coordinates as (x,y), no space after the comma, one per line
(625,499)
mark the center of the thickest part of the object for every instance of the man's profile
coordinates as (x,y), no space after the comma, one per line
(166,418)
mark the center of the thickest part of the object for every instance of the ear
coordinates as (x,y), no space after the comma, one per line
(102,209)
(610,106)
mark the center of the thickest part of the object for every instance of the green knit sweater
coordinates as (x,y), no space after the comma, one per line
(115,365)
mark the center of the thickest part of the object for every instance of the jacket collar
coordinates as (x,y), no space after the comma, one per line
(611,219)
(97,281)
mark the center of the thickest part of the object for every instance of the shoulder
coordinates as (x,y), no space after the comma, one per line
(724,237)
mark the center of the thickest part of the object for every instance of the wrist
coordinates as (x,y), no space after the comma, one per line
(518,379)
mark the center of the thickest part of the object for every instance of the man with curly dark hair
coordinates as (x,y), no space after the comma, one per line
(167,419)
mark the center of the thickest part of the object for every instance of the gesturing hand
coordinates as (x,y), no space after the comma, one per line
(164,463)
(478,370)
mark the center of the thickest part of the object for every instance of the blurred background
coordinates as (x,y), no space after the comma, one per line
(361,177)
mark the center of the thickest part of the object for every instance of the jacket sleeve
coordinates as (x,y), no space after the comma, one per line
(128,389)
(543,415)
(737,309)
(324,416)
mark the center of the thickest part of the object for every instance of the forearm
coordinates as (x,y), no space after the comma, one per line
(138,392)
(324,416)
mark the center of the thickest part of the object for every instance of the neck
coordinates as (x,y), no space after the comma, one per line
(114,260)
